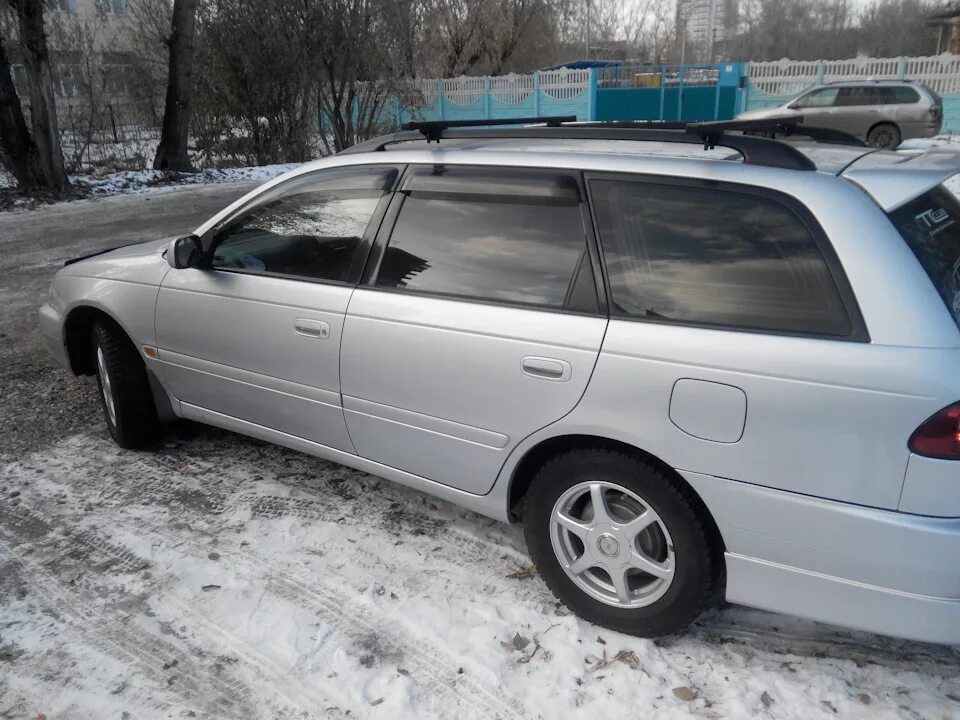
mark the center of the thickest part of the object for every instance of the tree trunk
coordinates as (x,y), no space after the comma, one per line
(172,151)
(18,147)
(43,107)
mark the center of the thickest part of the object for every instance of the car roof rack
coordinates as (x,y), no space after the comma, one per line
(755,150)
(432,130)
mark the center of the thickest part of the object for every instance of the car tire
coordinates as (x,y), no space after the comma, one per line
(676,540)
(124,388)
(885,136)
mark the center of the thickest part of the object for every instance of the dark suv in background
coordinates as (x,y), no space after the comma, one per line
(883,113)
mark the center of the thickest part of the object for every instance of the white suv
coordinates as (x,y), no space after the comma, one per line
(687,371)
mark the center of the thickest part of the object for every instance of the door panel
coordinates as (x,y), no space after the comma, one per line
(437,387)
(230,342)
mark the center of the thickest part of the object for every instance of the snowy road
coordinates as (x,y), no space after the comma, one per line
(221,577)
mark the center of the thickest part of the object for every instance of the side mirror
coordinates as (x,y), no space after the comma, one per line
(186,252)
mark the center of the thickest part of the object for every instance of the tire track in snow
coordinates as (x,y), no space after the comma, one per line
(357,620)
(130,644)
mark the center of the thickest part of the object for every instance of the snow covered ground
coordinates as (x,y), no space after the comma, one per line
(145,181)
(139,181)
(226,578)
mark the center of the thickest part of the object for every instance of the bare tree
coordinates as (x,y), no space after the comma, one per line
(796,29)
(480,37)
(897,27)
(172,151)
(43,109)
(19,151)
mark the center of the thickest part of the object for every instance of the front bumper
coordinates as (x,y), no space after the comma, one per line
(51,331)
(871,569)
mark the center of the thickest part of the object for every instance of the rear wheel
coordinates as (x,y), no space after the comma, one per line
(124,388)
(618,543)
(884,135)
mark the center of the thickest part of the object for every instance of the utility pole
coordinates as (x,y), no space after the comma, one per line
(586,42)
(683,40)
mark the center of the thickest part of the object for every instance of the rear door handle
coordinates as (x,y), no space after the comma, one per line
(312,328)
(546,368)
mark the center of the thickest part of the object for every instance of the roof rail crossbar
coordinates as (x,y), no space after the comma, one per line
(755,150)
(433,130)
(784,124)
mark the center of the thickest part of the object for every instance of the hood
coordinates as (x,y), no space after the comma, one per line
(775,111)
(142,262)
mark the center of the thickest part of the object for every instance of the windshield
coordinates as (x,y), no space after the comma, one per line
(931,226)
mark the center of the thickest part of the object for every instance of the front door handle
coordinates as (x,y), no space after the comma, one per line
(546,368)
(312,328)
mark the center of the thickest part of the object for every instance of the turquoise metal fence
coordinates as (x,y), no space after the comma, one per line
(657,92)
(669,92)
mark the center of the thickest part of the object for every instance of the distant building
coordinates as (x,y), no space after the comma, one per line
(84,37)
(706,24)
(948,23)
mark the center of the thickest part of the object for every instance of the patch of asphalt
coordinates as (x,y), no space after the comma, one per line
(40,403)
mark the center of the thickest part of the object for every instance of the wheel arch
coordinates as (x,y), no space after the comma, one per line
(534,457)
(77,326)
(891,123)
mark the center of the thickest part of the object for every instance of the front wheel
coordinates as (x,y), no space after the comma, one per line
(618,542)
(124,388)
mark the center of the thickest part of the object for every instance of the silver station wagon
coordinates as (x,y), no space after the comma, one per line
(694,363)
(882,112)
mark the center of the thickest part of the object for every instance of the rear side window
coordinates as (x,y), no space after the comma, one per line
(714,257)
(853,96)
(931,226)
(507,236)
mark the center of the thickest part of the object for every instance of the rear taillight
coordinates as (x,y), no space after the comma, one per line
(935,112)
(939,437)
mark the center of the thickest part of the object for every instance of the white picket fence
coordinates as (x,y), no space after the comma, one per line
(562,84)
(511,89)
(789,77)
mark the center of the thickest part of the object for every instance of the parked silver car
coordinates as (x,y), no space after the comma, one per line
(883,113)
(735,373)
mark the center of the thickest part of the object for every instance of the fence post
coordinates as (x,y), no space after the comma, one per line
(745,80)
(536,94)
(901,68)
(486,96)
(821,68)
(716,97)
(592,94)
(440,99)
(663,89)
(680,93)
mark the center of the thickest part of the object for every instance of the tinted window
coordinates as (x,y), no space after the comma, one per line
(710,256)
(819,98)
(931,226)
(310,227)
(456,239)
(851,96)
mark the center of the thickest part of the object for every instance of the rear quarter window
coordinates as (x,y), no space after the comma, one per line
(931,227)
(900,94)
(714,257)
